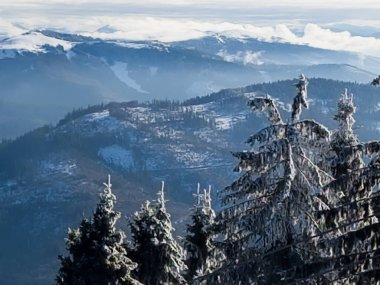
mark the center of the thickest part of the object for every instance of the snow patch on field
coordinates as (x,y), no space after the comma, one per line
(167,132)
(186,155)
(49,167)
(224,120)
(198,108)
(227,122)
(117,156)
(120,69)
(97,116)
(101,122)
(223,123)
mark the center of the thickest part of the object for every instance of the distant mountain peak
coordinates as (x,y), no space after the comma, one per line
(33,41)
(107,29)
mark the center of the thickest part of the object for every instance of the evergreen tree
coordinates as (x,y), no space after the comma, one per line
(301,98)
(158,255)
(96,255)
(201,255)
(268,208)
(350,228)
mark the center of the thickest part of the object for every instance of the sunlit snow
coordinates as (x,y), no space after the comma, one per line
(33,42)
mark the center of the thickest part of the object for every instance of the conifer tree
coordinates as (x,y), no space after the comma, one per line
(351,232)
(268,208)
(159,256)
(201,255)
(96,254)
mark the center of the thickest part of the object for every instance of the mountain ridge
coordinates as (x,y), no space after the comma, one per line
(52,175)
(50,80)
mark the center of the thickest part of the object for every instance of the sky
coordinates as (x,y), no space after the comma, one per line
(240,3)
(216,9)
(332,24)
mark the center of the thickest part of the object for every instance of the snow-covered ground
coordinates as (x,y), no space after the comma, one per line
(224,120)
(120,69)
(95,123)
(117,156)
(168,132)
(51,166)
(32,42)
(97,116)
(187,155)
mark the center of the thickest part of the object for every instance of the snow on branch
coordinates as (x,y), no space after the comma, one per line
(253,187)
(301,98)
(266,104)
(312,130)
(268,134)
(268,156)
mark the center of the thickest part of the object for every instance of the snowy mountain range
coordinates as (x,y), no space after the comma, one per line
(49,73)
(52,175)
(148,120)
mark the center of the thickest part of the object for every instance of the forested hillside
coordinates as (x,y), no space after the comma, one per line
(303,211)
(52,175)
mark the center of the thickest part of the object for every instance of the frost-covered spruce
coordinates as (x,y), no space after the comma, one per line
(351,230)
(268,208)
(159,256)
(201,255)
(301,98)
(96,252)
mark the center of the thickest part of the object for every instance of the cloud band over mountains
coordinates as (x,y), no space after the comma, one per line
(176,29)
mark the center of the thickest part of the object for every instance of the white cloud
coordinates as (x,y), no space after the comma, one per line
(325,38)
(246,57)
(173,29)
(142,27)
(9,29)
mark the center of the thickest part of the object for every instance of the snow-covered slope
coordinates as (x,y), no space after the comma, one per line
(52,175)
(50,73)
(33,42)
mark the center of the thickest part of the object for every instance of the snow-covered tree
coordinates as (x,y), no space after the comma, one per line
(301,98)
(269,207)
(345,159)
(348,244)
(201,255)
(96,252)
(159,256)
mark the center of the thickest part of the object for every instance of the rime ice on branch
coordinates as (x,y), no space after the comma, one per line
(201,254)
(300,99)
(269,206)
(158,255)
(349,247)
